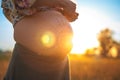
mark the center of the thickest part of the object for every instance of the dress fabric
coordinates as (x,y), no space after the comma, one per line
(16,11)
(26,65)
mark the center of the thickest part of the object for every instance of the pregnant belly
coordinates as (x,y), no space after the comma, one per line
(45,33)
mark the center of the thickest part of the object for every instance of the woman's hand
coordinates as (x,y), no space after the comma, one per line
(69,10)
(66,7)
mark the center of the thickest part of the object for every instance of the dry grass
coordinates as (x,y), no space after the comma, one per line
(3,67)
(85,68)
(4,61)
(94,68)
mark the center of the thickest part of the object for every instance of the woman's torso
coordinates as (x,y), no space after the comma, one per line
(45,33)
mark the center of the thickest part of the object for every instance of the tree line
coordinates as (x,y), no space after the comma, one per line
(108,46)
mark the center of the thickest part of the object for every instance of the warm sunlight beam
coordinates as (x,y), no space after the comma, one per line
(85,29)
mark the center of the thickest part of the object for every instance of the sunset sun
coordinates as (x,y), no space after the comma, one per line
(86,28)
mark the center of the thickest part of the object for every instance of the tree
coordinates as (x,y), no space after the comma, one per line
(106,41)
(1,51)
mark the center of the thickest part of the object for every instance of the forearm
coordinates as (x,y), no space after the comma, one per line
(66,7)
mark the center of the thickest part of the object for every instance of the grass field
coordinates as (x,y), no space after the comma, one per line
(94,68)
(85,68)
(4,61)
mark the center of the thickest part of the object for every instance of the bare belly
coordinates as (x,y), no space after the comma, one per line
(45,33)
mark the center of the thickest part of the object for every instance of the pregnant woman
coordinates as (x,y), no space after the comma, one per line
(43,38)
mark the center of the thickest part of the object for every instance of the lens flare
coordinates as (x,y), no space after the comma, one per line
(48,39)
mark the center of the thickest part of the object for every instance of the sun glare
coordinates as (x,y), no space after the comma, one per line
(85,29)
(48,39)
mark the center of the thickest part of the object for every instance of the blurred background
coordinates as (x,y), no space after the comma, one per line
(96,42)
